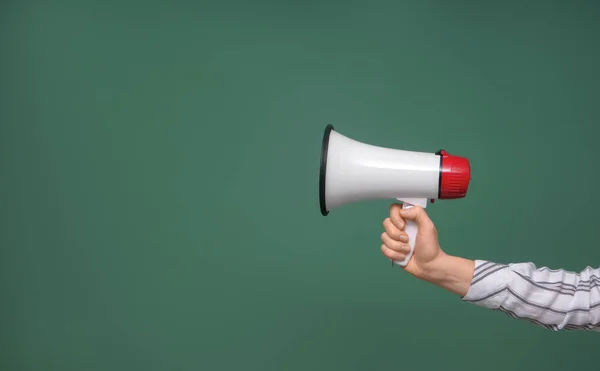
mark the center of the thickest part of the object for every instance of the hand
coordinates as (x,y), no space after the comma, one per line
(395,241)
(428,261)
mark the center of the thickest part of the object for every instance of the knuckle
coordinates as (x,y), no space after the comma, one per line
(387,252)
(384,237)
(397,235)
(396,246)
(397,221)
(387,223)
(419,210)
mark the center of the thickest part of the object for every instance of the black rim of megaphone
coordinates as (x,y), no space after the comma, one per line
(323,172)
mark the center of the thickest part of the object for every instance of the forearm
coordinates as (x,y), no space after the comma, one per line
(555,299)
(451,273)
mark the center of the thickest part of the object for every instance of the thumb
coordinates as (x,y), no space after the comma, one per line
(416,214)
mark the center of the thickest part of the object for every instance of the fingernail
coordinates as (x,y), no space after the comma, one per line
(404,238)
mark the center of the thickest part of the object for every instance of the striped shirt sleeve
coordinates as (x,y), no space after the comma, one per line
(554,299)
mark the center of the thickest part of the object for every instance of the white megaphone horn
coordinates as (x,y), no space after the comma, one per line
(352,171)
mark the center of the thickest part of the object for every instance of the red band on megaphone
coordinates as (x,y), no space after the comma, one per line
(455,174)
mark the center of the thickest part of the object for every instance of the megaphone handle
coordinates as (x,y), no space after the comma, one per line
(410,228)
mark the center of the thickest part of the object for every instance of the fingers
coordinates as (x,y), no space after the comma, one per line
(395,216)
(397,246)
(418,215)
(391,254)
(393,231)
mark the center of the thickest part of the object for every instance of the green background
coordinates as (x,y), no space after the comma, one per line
(159,171)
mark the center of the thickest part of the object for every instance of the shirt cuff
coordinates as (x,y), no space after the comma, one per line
(488,285)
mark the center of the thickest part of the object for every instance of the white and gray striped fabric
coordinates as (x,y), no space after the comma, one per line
(554,299)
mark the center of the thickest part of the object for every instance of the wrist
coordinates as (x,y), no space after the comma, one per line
(450,272)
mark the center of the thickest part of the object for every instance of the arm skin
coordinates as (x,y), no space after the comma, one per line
(451,273)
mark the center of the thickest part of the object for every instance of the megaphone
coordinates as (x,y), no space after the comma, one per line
(352,171)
